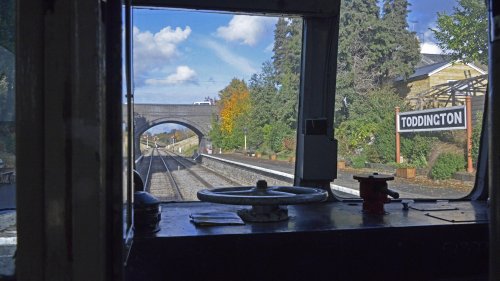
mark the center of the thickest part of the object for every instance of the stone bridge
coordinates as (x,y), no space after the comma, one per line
(195,117)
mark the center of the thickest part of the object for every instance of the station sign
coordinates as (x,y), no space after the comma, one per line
(437,119)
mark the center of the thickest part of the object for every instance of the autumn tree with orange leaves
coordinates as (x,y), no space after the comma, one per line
(234,108)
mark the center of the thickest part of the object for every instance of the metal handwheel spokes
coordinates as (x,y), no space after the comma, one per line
(263,195)
(265,200)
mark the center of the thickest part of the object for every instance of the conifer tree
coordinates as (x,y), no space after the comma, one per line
(356,64)
(400,51)
(286,61)
(262,87)
(374,48)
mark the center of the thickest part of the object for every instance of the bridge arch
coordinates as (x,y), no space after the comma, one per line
(195,117)
(200,132)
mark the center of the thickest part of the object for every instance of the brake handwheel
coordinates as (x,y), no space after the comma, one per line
(265,200)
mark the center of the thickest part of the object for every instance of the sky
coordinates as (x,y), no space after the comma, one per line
(181,57)
(423,16)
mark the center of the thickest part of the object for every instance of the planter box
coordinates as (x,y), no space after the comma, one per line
(341,164)
(258,154)
(272,157)
(407,173)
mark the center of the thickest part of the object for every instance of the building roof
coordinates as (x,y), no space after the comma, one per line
(432,63)
(430,59)
(427,69)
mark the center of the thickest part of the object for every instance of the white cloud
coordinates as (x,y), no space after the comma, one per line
(427,44)
(152,51)
(428,35)
(183,75)
(246,29)
(430,48)
(223,53)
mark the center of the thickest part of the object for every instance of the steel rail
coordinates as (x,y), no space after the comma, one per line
(173,183)
(146,181)
(194,174)
(233,182)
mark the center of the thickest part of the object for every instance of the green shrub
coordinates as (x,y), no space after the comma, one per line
(446,165)
(353,135)
(420,162)
(392,164)
(476,137)
(368,124)
(280,132)
(383,149)
(358,161)
(416,148)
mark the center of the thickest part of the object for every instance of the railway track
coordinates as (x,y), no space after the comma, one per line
(159,181)
(171,177)
(210,177)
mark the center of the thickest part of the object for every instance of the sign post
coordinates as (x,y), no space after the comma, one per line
(398,156)
(437,119)
(468,106)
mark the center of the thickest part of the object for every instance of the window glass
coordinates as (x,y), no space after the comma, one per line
(8,231)
(127,125)
(425,59)
(218,85)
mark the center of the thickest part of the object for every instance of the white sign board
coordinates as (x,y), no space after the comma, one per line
(437,119)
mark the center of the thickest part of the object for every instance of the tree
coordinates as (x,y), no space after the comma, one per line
(280,38)
(234,103)
(263,93)
(356,65)
(464,33)
(234,106)
(374,48)
(378,105)
(287,46)
(401,52)
(286,61)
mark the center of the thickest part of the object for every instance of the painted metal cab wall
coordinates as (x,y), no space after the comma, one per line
(394,254)
(68,112)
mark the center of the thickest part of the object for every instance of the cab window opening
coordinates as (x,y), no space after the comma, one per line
(231,80)
(432,163)
(389,112)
